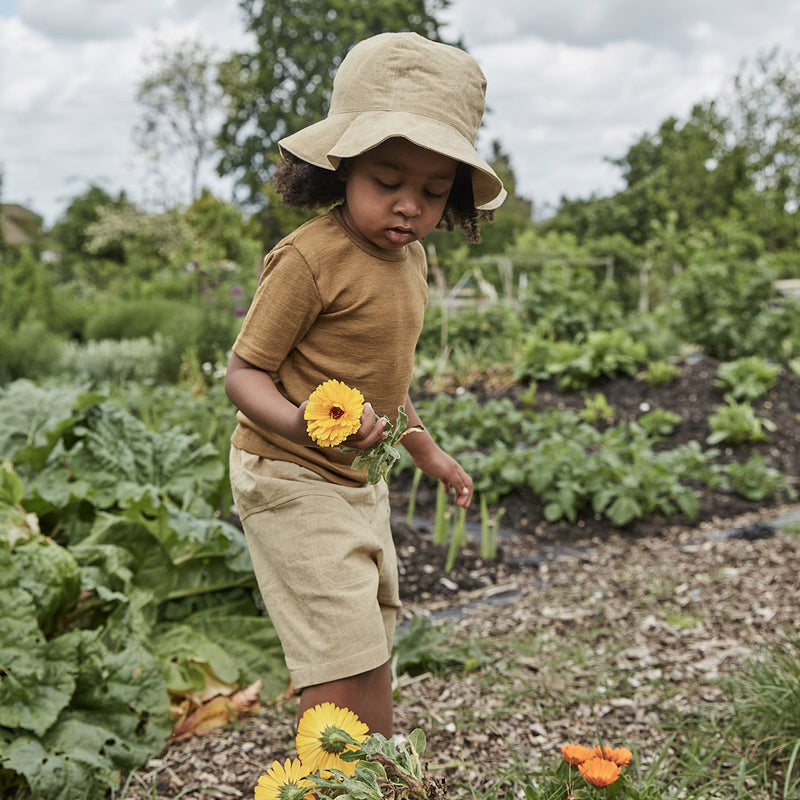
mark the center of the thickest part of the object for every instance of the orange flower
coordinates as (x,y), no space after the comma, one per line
(333,413)
(619,755)
(576,753)
(599,772)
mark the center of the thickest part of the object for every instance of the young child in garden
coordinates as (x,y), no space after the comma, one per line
(342,299)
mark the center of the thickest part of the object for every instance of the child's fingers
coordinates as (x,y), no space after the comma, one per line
(372,428)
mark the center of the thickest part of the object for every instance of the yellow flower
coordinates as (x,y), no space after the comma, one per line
(599,772)
(324,732)
(333,413)
(576,753)
(287,782)
(619,755)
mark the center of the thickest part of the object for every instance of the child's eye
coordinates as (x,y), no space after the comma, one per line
(387,185)
(435,195)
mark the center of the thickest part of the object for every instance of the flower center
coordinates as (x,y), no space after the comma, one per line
(336,412)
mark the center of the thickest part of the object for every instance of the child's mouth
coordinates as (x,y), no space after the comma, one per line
(401,235)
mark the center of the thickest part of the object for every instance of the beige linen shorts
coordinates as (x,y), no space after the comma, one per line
(325,563)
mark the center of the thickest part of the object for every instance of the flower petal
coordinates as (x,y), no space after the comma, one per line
(576,753)
(619,755)
(599,772)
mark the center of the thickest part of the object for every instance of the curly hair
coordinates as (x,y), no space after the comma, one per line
(306,186)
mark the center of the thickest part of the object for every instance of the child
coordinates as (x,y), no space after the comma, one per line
(343,298)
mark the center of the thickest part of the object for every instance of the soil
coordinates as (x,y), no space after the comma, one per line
(671,607)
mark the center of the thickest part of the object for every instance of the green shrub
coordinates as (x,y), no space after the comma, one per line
(596,409)
(731,310)
(206,332)
(577,365)
(30,351)
(112,360)
(133,319)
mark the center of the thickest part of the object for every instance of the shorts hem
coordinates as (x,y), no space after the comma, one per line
(347,667)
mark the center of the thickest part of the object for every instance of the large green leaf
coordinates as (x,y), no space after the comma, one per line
(119,718)
(124,461)
(152,566)
(37,680)
(234,642)
(124,693)
(50,574)
(35,417)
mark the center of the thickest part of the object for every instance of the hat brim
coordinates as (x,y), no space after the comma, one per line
(346,135)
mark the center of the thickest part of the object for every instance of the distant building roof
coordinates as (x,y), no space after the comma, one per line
(20,225)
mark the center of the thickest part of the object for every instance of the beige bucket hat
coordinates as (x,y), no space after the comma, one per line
(401,84)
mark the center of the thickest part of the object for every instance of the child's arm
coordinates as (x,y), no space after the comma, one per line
(254,393)
(433,461)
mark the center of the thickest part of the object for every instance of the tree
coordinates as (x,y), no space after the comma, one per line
(764,112)
(181,98)
(70,233)
(285,83)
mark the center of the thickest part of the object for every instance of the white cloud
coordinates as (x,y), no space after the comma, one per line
(570,82)
(84,20)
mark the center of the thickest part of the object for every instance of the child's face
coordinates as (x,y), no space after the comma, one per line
(396,193)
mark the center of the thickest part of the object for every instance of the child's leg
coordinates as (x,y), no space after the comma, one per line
(368,695)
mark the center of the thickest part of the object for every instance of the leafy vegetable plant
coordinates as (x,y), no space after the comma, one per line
(119,589)
(747,379)
(737,423)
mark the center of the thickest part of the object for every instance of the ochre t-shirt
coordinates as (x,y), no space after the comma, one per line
(329,305)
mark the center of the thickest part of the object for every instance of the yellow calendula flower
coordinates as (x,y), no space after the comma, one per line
(333,413)
(619,755)
(599,772)
(324,733)
(287,781)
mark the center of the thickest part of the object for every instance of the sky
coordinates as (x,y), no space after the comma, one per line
(571,84)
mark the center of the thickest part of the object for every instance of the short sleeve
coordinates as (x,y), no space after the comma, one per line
(285,305)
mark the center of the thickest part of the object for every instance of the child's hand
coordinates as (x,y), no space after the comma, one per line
(371,432)
(438,464)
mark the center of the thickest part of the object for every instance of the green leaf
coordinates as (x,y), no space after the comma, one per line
(188,655)
(553,512)
(50,574)
(623,510)
(34,419)
(249,640)
(39,677)
(418,741)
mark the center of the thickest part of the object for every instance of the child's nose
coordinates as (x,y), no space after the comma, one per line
(409,204)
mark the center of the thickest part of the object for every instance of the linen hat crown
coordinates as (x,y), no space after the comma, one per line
(401,84)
